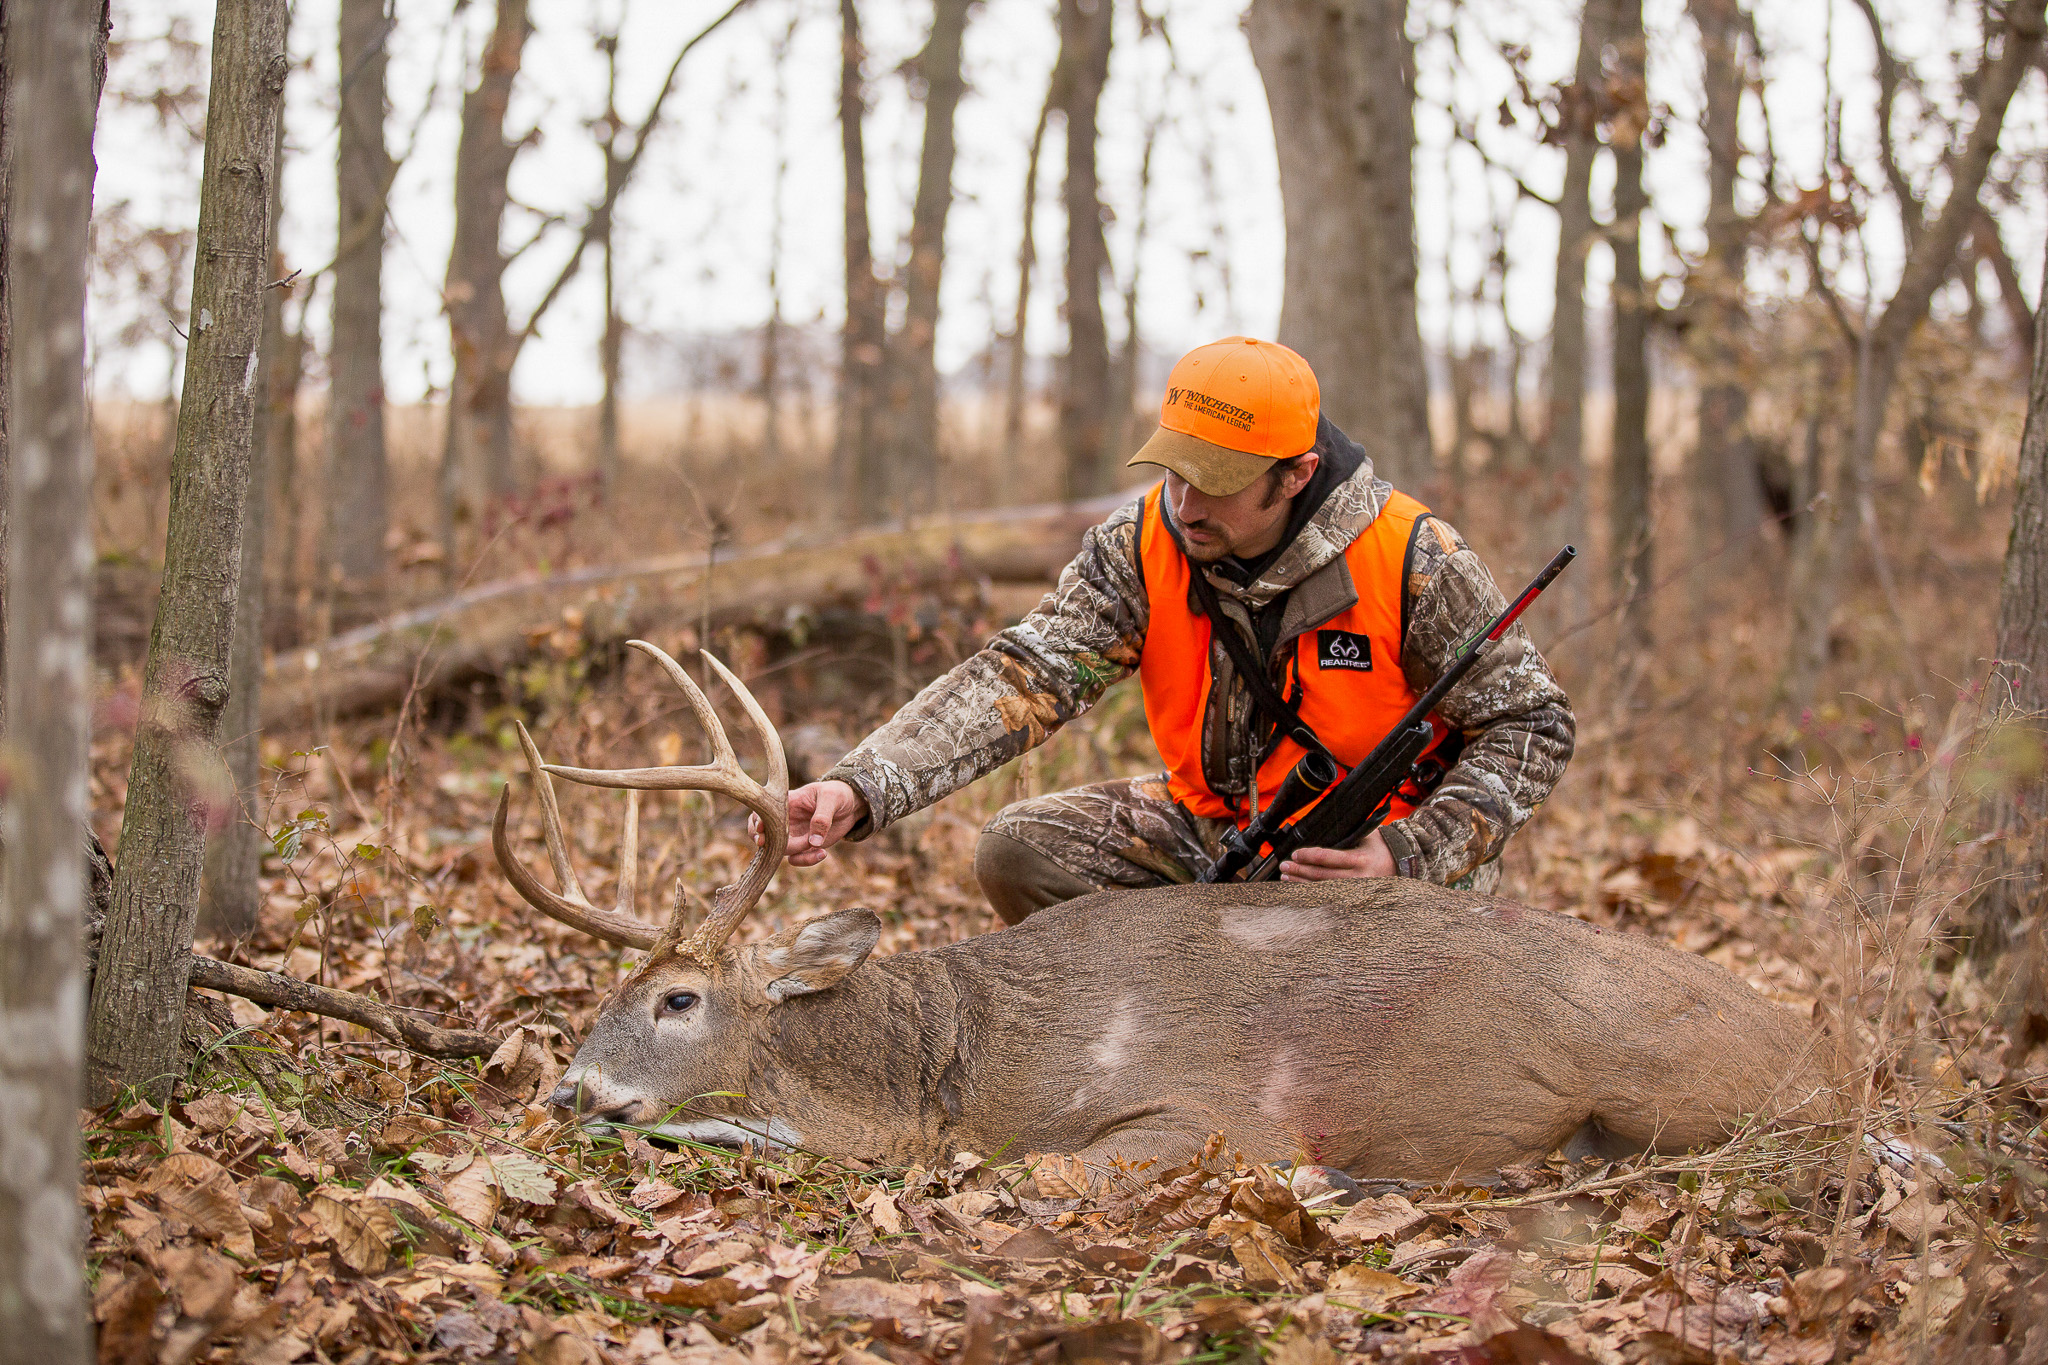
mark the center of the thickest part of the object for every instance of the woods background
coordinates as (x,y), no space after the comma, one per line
(815,335)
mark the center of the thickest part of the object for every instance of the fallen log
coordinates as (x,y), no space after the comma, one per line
(487,629)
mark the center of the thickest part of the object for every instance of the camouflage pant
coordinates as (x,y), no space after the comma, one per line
(1125,833)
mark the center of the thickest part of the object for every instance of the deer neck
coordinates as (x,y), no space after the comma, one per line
(875,1068)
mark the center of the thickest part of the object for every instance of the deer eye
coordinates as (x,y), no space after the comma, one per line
(678,1001)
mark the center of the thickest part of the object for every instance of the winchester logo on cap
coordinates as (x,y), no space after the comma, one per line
(1343,649)
(1213,407)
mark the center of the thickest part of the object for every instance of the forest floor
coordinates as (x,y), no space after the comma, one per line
(316,1194)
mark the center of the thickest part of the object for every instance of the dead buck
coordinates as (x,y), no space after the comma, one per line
(1387,1027)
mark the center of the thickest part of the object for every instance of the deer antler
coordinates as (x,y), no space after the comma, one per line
(723,775)
(569,905)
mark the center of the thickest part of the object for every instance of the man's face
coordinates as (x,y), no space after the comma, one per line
(1246,523)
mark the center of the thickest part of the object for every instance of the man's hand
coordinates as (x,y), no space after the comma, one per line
(1369,859)
(819,816)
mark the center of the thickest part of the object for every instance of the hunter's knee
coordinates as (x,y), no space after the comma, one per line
(1018,879)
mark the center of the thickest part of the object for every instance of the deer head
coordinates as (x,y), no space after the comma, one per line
(671,1046)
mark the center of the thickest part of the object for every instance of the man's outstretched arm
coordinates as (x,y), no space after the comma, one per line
(1002,701)
(1518,725)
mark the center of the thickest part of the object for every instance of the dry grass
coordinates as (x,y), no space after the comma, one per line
(1829,858)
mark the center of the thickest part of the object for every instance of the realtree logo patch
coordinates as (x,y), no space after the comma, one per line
(1343,649)
(1212,407)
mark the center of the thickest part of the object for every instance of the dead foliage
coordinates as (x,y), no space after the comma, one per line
(347,1201)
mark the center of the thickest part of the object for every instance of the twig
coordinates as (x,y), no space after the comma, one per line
(279,991)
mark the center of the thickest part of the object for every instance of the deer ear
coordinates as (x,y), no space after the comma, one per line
(818,954)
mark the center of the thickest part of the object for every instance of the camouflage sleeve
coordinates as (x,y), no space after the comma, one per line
(1022,686)
(1518,724)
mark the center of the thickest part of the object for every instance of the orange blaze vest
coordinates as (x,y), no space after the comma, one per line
(1344,674)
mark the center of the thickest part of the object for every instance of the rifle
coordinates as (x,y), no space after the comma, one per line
(1359,804)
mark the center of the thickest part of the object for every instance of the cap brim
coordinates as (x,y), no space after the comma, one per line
(1217,470)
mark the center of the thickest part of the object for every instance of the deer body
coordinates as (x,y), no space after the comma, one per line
(1386,1027)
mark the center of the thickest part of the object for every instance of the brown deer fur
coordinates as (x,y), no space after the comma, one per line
(1386,1027)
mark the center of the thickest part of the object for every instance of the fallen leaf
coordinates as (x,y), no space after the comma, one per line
(1930,1304)
(523,1178)
(1388,1218)
(858,1296)
(882,1211)
(472,1196)
(1059,1176)
(199,1190)
(1368,1289)
(1260,1252)
(361,1229)
(1520,1346)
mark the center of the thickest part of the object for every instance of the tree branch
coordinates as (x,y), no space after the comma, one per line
(1887,94)
(1826,290)
(1928,262)
(595,222)
(279,991)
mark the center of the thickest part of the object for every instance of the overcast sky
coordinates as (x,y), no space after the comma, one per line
(754,121)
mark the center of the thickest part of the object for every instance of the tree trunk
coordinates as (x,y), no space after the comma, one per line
(138,1001)
(477,465)
(1726,483)
(1085,382)
(230,890)
(914,373)
(857,453)
(609,349)
(50,64)
(1340,78)
(611,342)
(6,340)
(1027,262)
(358,489)
(1561,513)
(1628,506)
(1883,343)
(2011,908)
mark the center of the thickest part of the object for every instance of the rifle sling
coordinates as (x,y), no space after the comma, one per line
(1276,708)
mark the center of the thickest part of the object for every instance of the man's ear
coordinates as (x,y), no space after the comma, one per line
(818,953)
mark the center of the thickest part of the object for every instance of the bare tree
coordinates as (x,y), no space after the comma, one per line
(1027,262)
(864,340)
(358,487)
(478,453)
(138,1000)
(1628,502)
(1878,342)
(1340,79)
(230,893)
(485,343)
(1086,28)
(611,345)
(1726,484)
(2019,811)
(54,63)
(913,363)
(1562,513)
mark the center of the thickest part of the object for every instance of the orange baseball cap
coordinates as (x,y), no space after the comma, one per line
(1232,408)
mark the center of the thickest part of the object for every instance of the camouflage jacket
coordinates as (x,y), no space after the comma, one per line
(1088,632)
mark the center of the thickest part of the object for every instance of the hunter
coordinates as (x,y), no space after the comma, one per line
(1345,595)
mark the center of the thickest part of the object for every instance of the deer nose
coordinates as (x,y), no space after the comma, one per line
(565,1096)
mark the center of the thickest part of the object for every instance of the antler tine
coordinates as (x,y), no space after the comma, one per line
(550,816)
(629,857)
(725,776)
(610,926)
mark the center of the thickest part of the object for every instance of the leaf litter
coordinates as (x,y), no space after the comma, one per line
(316,1195)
